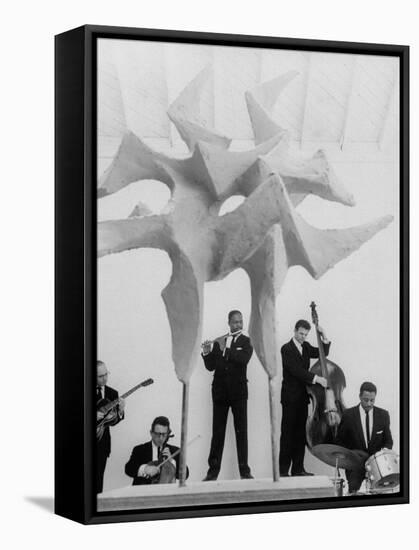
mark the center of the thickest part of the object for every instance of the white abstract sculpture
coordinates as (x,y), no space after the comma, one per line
(265,235)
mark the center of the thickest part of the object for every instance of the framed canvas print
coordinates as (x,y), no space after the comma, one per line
(231,274)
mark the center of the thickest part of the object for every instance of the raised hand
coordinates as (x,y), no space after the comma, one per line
(206,346)
(322,381)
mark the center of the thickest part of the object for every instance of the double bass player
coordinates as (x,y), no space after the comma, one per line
(296,355)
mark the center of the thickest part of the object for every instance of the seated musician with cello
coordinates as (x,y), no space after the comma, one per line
(155,461)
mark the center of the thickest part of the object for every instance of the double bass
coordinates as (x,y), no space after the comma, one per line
(327,403)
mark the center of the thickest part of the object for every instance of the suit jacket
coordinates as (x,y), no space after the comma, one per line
(230,381)
(104,445)
(142,454)
(295,369)
(351,436)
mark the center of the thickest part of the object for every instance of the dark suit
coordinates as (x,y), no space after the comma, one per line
(103,447)
(294,399)
(143,454)
(229,389)
(351,436)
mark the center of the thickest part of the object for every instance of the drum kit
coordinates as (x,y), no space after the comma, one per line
(382,469)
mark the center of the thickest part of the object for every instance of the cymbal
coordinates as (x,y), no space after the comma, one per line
(347,458)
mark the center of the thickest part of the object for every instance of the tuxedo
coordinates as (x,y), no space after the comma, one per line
(294,398)
(351,435)
(229,390)
(143,454)
(103,447)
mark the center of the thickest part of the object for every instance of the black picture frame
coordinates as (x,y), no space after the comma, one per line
(76,270)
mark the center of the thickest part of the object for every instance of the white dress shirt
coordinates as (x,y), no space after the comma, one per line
(230,339)
(298,345)
(364,423)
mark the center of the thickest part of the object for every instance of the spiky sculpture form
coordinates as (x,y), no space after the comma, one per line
(265,235)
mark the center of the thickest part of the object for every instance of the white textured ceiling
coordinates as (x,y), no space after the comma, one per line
(336,98)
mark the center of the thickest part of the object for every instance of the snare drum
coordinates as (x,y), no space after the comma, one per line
(383,470)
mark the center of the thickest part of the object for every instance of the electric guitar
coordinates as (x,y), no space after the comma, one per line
(108,409)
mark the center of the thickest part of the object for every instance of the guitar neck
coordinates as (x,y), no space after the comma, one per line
(132,390)
(115,402)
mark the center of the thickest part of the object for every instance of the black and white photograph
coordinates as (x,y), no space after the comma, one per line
(248,276)
(208,261)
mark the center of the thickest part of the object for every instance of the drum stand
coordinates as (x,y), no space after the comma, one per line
(338,481)
(338,457)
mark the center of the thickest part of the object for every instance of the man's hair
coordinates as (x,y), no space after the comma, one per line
(233,312)
(302,323)
(100,364)
(368,386)
(161,421)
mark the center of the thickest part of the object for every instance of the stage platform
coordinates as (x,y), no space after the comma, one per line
(214,492)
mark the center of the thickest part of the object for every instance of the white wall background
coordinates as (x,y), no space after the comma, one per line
(357,300)
(27,274)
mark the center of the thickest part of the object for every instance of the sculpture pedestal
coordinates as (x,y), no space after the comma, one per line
(214,492)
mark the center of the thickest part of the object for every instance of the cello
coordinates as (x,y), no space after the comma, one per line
(327,403)
(166,471)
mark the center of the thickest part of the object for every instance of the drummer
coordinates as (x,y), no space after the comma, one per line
(364,428)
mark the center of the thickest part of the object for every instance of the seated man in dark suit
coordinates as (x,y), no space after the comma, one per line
(140,466)
(364,428)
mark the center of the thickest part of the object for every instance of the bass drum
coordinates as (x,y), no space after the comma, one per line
(383,470)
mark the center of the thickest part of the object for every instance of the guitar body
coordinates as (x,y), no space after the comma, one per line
(109,409)
(109,419)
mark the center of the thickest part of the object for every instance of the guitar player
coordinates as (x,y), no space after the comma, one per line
(105,394)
